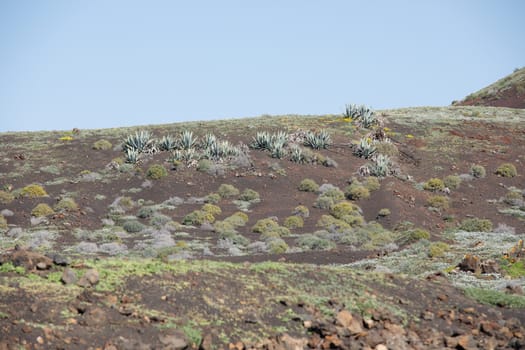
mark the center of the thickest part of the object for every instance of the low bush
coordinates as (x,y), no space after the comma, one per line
(438,202)
(332,224)
(496,298)
(277,246)
(6,197)
(237,219)
(227,191)
(265,225)
(42,209)
(452,181)
(506,170)
(476,225)
(312,242)
(33,191)
(204,165)
(301,211)
(212,209)
(159,220)
(293,222)
(438,249)
(66,204)
(384,212)
(514,197)
(345,208)
(198,218)
(308,185)
(478,171)
(434,185)
(412,235)
(3,223)
(249,195)
(372,183)
(102,145)
(224,229)
(146,212)
(213,198)
(156,172)
(356,191)
(133,226)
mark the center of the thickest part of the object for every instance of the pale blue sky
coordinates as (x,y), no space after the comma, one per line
(107,63)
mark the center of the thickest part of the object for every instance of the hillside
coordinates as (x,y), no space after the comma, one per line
(393,229)
(506,92)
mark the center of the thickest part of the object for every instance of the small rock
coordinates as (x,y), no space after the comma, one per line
(206,343)
(344,318)
(42,266)
(381,347)
(40,340)
(465,342)
(470,263)
(173,341)
(291,343)
(95,316)
(60,260)
(90,278)
(68,276)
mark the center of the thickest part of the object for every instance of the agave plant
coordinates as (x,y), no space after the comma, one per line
(355,112)
(132,155)
(208,141)
(365,148)
(222,149)
(296,154)
(380,166)
(167,143)
(367,119)
(262,140)
(281,137)
(317,140)
(140,141)
(277,149)
(184,155)
(187,140)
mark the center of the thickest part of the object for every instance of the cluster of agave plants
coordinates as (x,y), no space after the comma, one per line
(362,115)
(280,144)
(184,147)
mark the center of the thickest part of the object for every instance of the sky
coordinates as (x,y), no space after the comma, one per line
(108,63)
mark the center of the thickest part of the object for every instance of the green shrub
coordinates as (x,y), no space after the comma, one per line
(357,191)
(452,182)
(213,198)
(126,203)
(146,212)
(496,298)
(212,209)
(384,212)
(476,225)
(42,209)
(133,226)
(301,211)
(343,209)
(434,184)
(277,246)
(372,183)
(507,170)
(412,235)
(308,185)
(198,217)
(204,165)
(478,171)
(237,219)
(103,145)
(330,223)
(293,222)
(156,172)
(224,229)
(438,202)
(226,191)
(159,220)
(513,197)
(324,202)
(33,191)
(3,223)
(267,225)
(313,242)
(438,249)
(6,197)
(66,204)
(249,195)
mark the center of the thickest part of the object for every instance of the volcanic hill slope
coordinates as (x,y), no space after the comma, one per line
(401,229)
(506,92)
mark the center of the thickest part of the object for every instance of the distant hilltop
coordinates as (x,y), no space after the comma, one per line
(506,92)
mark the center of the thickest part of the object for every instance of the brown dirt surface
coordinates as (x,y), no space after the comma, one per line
(161,283)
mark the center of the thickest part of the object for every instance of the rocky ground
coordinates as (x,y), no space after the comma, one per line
(122,260)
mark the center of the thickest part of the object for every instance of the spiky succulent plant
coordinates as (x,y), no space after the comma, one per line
(317,140)
(365,148)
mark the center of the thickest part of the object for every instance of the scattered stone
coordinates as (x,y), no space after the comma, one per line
(344,318)
(42,266)
(290,343)
(465,342)
(25,258)
(7,213)
(59,260)
(173,341)
(68,276)
(381,347)
(90,278)
(470,263)
(207,343)
(94,317)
